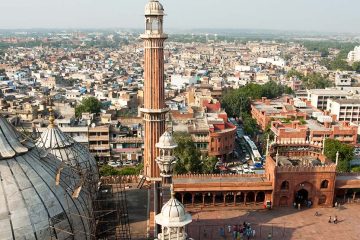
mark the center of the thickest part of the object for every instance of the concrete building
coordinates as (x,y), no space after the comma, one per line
(354,56)
(345,109)
(319,97)
(343,79)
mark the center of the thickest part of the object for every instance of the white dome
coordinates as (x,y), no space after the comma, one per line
(154,8)
(173,214)
(34,206)
(166,141)
(67,150)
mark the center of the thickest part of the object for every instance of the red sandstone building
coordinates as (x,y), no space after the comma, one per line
(211,131)
(295,173)
(296,120)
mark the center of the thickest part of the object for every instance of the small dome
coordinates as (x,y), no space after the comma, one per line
(166,141)
(154,8)
(173,214)
(67,150)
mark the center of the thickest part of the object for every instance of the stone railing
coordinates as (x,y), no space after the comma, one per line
(127,140)
(219,176)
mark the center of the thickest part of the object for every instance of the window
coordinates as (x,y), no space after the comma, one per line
(324,184)
(285,185)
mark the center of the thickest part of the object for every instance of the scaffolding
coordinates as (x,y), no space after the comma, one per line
(98,205)
(111,213)
(108,217)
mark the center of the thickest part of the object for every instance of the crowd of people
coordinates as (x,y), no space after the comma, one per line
(242,231)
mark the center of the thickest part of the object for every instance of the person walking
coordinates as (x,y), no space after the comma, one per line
(205,233)
(329,220)
(222,233)
(229,228)
(335,220)
(299,206)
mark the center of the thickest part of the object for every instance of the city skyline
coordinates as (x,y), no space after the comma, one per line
(299,15)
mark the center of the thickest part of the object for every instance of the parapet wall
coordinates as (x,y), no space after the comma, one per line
(120,179)
(219,176)
(316,169)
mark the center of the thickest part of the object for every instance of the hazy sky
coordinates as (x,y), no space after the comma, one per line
(302,15)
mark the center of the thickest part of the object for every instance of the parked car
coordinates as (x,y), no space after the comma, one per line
(129,163)
(114,164)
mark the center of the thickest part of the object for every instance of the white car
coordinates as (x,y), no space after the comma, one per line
(129,163)
(114,164)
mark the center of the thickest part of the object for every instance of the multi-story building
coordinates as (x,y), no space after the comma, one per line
(265,110)
(319,97)
(343,79)
(294,120)
(354,56)
(99,141)
(345,109)
(212,133)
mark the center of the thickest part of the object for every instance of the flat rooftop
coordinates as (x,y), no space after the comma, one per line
(328,92)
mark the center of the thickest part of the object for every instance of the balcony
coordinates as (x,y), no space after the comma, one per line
(99,138)
(127,140)
(99,129)
(200,139)
(100,147)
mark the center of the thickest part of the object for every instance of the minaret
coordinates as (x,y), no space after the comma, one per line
(154,111)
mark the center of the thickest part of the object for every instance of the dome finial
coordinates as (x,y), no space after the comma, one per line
(172,192)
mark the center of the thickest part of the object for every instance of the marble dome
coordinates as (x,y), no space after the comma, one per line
(37,199)
(153,7)
(166,141)
(67,150)
(173,214)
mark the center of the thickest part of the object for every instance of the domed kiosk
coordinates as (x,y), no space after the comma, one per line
(173,219)
(166,159)
(67,150)
(154,7)
(33,205)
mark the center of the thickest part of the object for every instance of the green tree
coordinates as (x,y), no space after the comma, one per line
(249,124)
(294,73)
(89,104)
(107,170)
(346,153)
(209,164)
(237,101)
(356,67)
(355,169)
(316,80)
(188,156)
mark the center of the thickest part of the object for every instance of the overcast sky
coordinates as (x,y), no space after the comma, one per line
(299,15)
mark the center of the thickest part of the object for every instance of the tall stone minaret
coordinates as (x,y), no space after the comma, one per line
(154,110)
